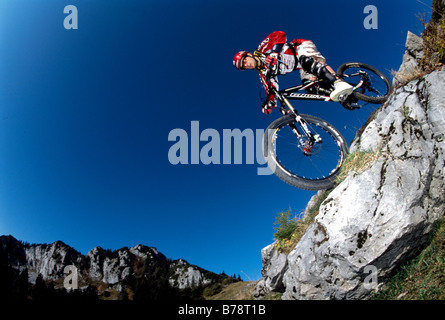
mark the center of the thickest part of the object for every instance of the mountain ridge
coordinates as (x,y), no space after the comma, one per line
(138,272)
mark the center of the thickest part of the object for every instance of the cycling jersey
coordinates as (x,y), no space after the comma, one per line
(288,52)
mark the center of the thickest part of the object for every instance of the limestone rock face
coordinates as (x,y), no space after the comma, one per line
(49,260)
(187,276)
(106,268)
(411,58)
(274,267)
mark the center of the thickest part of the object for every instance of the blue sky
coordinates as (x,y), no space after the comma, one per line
(85,117)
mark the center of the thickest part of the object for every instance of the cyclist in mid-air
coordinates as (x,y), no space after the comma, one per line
(280,57)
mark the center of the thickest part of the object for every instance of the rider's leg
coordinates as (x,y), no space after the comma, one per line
(317,69)
(325,72)
(307,77)
(309,49)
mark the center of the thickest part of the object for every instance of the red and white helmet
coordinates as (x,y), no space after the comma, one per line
(238,59)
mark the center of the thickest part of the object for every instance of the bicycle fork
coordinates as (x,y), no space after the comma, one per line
(306,139)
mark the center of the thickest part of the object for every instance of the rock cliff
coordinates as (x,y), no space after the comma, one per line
(119,271)
(375,220)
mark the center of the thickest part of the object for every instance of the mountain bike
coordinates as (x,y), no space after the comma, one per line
(305,151)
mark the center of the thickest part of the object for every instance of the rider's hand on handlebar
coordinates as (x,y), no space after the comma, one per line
(268,105)
(272,61)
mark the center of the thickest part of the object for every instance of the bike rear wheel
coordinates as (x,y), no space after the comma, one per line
(289,157)
(376,87)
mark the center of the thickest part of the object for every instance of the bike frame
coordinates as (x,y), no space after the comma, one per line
(291,93)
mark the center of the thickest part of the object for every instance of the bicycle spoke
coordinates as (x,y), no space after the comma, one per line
(373,84)
(314,163)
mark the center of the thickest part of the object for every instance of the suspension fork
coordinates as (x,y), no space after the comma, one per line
(285,101)
(306,145)
(294,113)
(283,110)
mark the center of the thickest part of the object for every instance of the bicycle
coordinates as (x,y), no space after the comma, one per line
(305,151)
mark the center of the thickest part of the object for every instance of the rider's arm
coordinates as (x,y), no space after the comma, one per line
(268,84)
(277,47)
(297,42)
(273,42)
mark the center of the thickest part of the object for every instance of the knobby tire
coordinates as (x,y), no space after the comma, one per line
(379,76)
(298,180)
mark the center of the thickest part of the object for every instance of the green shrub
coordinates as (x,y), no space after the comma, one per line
(434,44)
(286,226)
(291,230)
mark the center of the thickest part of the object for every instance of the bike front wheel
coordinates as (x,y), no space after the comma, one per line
(375,87)
(299,160)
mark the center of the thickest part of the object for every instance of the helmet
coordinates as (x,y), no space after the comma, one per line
(238,59)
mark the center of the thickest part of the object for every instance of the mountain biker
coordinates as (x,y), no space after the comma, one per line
(279,57)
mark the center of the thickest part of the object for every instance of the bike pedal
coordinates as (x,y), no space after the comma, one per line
(351,106)
(342,98)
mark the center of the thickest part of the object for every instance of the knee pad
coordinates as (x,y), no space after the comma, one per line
(314,67)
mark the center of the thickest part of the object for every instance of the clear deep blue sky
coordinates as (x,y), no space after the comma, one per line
(85,116)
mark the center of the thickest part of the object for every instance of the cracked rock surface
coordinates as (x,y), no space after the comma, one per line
(377,219)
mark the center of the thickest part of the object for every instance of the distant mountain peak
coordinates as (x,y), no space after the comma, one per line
(141,271)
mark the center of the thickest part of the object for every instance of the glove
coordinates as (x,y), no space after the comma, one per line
(268,105)
(272,61)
